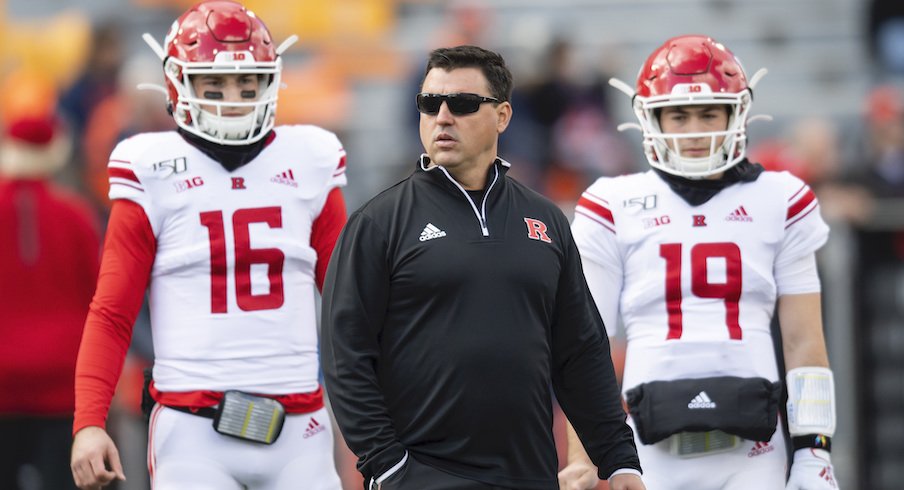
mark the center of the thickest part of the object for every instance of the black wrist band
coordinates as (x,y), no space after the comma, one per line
(816,441)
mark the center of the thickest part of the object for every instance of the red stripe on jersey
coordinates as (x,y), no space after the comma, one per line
(800,217)
(123,173)
(121,161)
(797,193)
(597,219)
(598,209)
(801,204)
(128,185)
(341,162)
(598,198)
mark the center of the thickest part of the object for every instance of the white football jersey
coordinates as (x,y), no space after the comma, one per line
(232,290)
(696,285)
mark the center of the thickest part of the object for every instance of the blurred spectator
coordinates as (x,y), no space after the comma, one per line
(124,112)
(886,35)
(98,77)
(883,171)
(49,252)
(570,138)
(812,151)
(97,80)
(468,22)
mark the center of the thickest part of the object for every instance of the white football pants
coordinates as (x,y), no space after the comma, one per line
(749,466)
(186,453)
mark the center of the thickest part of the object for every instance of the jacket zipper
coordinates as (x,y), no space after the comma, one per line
(482,213)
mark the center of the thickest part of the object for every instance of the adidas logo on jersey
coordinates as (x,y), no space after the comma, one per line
(760,448)
(287,178)
(430,232)
(739,214)
(701,401)
(313,429)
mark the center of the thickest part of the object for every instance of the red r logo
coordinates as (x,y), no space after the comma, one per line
(238,182)
(536,230)
(699,220)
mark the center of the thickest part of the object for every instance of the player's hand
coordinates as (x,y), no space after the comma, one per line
(579,475)
(95,460)
(626,481)
(812,470)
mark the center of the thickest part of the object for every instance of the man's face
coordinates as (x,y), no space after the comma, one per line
(463,140)
(235,87)
(694,119)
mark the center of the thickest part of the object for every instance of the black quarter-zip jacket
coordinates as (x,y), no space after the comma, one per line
(447,324)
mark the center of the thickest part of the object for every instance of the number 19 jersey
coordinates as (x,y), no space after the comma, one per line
(232,289)
(695,284)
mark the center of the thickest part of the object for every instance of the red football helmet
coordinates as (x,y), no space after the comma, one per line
(221,37)
(692,70)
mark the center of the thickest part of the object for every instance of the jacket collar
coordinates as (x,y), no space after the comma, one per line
(425,165)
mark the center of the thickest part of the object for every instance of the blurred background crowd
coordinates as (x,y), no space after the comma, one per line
(835,88)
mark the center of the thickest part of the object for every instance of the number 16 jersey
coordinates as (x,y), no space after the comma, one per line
(232,286)
(694,286)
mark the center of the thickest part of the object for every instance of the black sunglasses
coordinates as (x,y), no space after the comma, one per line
(458,103)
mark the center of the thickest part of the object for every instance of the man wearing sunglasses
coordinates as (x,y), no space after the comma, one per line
(455,306)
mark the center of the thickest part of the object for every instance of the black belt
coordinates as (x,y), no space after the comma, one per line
(206,412)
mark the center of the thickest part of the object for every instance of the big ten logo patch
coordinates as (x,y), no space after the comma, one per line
(656,221)
(184,185)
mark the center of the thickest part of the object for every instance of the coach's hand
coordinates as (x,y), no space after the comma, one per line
(626,482)
(95,460)
(579,475)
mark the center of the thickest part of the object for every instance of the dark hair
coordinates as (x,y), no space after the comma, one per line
(491,64)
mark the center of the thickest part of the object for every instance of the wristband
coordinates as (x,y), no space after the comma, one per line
(816,441)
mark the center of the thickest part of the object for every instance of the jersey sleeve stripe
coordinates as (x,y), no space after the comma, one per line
(802,188)
(122,173)
(341,162)
(801,204)
(596,198)
(802,216)
(339,172)
(595,218)
(595,208)
(120,161)
(117,182)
